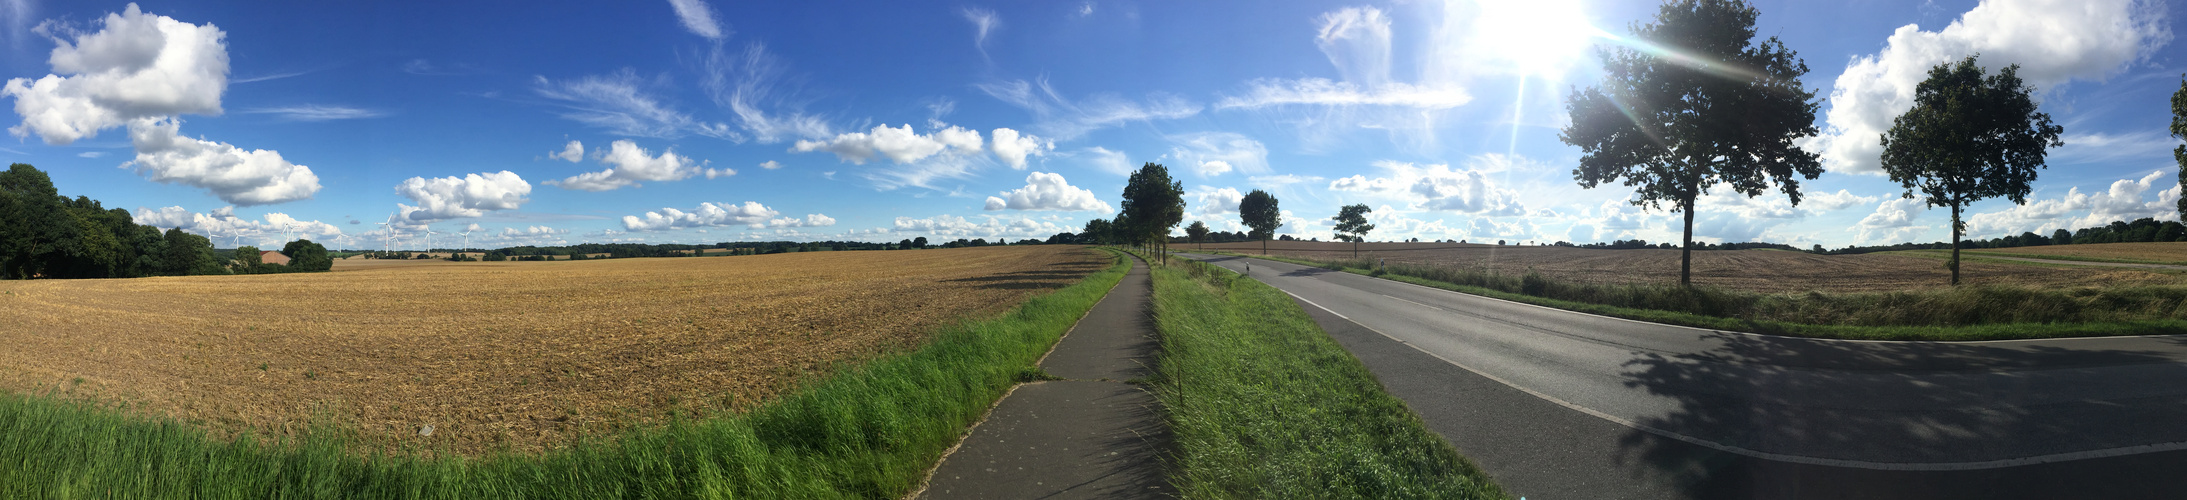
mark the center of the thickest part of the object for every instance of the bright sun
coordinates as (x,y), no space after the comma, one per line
(1535,37)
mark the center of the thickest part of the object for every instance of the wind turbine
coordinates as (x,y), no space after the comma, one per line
(286,229)
(387,245)
(466,240)
(239,238)
(429,239)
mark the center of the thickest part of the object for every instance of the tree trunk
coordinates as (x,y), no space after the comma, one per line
(1355,247)
(1264,245)
(1955,244)
(1685,254)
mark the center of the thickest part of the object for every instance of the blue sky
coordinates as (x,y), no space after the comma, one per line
(700,121)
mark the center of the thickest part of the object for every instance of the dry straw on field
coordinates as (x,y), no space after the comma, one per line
(521,355)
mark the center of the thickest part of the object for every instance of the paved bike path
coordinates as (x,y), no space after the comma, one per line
(1091,435)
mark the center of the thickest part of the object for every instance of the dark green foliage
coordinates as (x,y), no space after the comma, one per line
(1098,232)
(44,235)
(246,260)
(189,254)
(307,256)
(2179,131)
(1259,211)
(1725,110)
(1153,205)
(1969,137)
(1351,224)
(1197,232)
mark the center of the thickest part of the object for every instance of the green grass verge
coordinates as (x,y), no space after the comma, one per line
(867,431)
(1960,314)
(1263,404)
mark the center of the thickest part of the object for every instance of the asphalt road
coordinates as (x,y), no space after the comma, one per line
(1558,404)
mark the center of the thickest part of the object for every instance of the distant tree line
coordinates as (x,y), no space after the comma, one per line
(46,235)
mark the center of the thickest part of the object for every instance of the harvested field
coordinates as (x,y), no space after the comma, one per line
(522,355)
(2152,253)
(1769,271)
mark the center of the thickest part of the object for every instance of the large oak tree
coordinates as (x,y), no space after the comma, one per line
(1969,137)
(1691,103)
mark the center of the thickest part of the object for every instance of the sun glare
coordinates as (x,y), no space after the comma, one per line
(1535,37)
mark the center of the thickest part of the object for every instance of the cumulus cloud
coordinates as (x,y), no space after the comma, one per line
(619,103)
(770,165)
(633,165)
(810,220)
(1066,119)
(2124,200)
(1216,153)
(750,214)
(1046,191)
(900,145)
(2053,42)
(269,229)
(235,175)
(1437,187)
(137,66)
(573,152)
(698,18)
(469,196)
(1213,201)
(1892,222)
(1012,147)
(951,226)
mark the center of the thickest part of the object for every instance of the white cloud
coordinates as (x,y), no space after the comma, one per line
(1483,228)
(2053,41)
(1064,119)
(898,145)
(1114,162)
(744,82)
(1284,180)
(1266,92)
(2124,200)
(469,196)
(698,18)
(317,113)
(235,175)
(770,165)
(1213,201)
(269,230)
(810,220)
(633,164)
(137,66)
(1833,201)
(1216,153)
(1012,147)
(750,214)
(573,152)
(1438,187)
(983,22)
(1046,191)
(1892,221)
(91,154)
(616,102)
(950,226)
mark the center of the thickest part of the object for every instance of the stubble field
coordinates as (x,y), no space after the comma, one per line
(1766,271)
(2153,253)
(497,355)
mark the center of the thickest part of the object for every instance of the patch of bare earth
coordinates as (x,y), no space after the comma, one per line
(522,355)
(2162,253)
(1768,271)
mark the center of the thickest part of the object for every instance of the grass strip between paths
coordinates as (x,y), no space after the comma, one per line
(1263,404)
(1990,331)
(867,431)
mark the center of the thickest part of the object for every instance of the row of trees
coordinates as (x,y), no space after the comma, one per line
(46,235)
(1717,108)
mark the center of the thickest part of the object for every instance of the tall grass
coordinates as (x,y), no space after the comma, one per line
(868,431)
(1263,404)
(1960,313)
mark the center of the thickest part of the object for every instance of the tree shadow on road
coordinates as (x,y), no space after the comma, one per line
(1896,403)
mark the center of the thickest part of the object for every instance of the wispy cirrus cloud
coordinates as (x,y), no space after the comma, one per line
(317,113)
(1066,119)
(622,103)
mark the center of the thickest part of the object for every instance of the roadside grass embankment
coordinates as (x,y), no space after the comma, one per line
(1263,404)
(867,431)
(1961,314)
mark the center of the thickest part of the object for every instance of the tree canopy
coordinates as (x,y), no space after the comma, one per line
(1351,224)
(1260,213)
(1153,204)
(2179,131)
(1969,137)
(46,235)
(1713,107)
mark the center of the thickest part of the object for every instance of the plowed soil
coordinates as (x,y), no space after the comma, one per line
(1769,271)
(521,355)
(2155,253)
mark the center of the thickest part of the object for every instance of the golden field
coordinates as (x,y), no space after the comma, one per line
(516,355)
